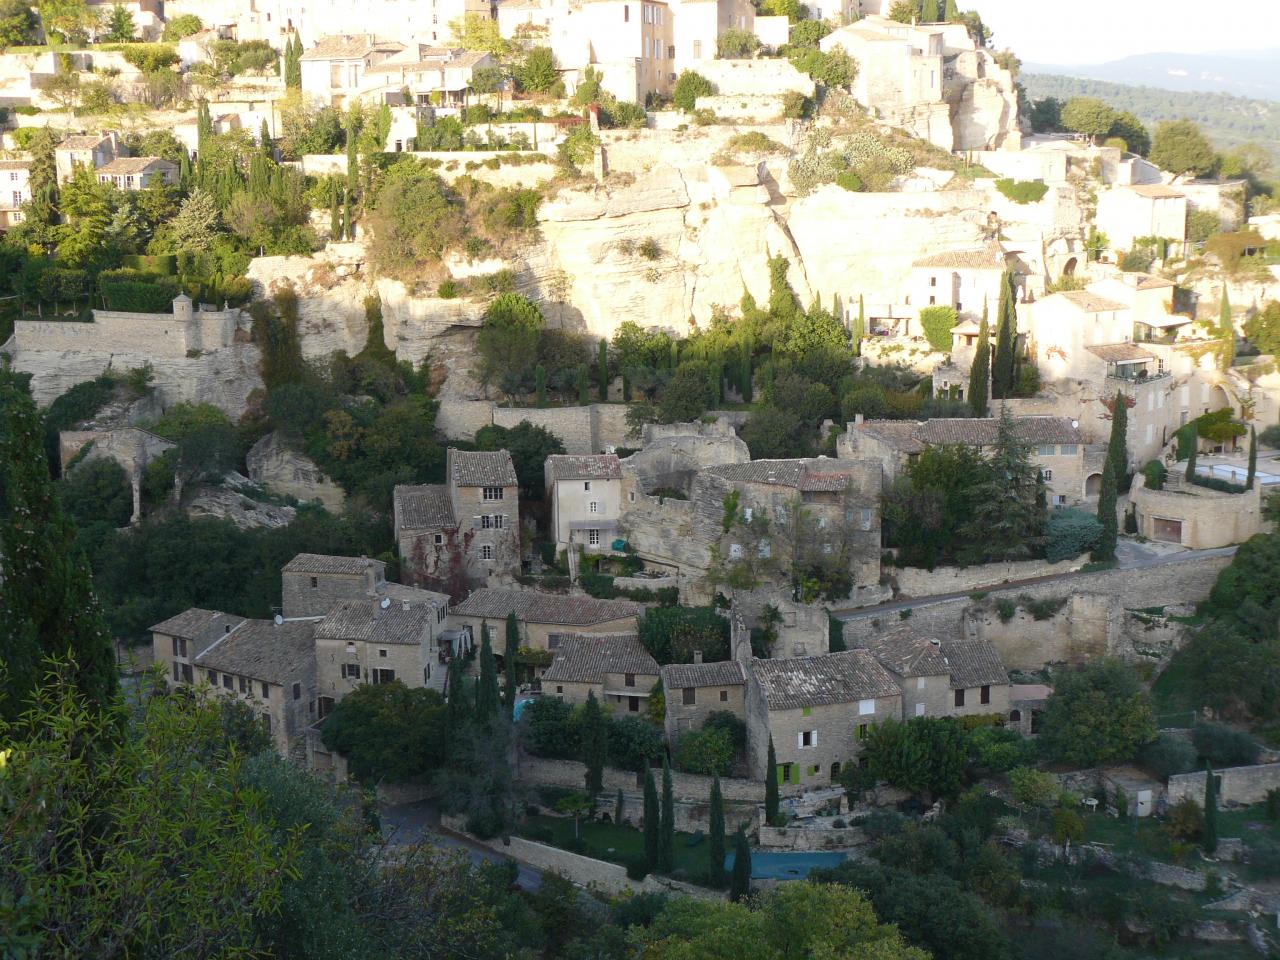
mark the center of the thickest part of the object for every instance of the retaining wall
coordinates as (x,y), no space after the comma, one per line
(796,838)
(588,429)
(1242,785)
(686,786)
(917,582)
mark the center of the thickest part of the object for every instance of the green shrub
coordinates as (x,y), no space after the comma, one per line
(1042,609)
(150,57)
(1217,483)
(447,290)
(1155,474)
(1167,755)
(795,105)
(1071,533)
(850,181)
(735,44)
(1005,609)
(937,323)
(649,249)
(689,87)
(1270,437)
(1224,746)
(706,751)
(1023,191)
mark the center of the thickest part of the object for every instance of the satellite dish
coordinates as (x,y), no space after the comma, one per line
(279,619)
(385,602)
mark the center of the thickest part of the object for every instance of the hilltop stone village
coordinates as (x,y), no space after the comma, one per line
(766,384)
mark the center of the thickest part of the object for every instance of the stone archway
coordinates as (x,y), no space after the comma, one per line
(1093,485)
(1069,269)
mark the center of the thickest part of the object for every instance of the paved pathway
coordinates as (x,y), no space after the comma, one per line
(1130,554)
(420,823)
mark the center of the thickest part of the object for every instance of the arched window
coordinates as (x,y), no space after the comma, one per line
(835,772)
(1015,716)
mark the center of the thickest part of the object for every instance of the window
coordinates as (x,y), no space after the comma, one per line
(747,514)
(765,549)
(228,681)
(984,696)
(835,772)
(1015,716)
(244,685)
(553,640)
(177,673)
(808,738)
(919,709)
(593,507)
(933,282)
(586,485)
(350,671)
(297,691)
(439,538)
(919,683)
(626,13)
(382,652)
(959,698)
(1067,450)
(187,673)
(866,707)
(689,696)
(631,496)
(633,704)
(492,493)
(213,678)
(864,518)
(351,648)
(486,552)
(266,723)
(593,538)
(486,522)
(559,689)
(315,582)
(735,551)
(1045,450)
(383,676)
(1046,475)
(724,696)
(864,730)
(266,690)
(697,49)
(933,301)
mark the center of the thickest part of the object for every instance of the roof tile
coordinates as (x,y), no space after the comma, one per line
(264,650)
(588,659)
(831,678)
(481,468)
(424,507)
(554,608)
(602,466)
(721,673)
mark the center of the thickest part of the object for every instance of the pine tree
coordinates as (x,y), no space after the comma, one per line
(1209,833)
(595,746)
(487,694)
(47,604)
(771,787)
(715,848)
(1002,369)
(1253,458)
(667,830)
(1105,549)
(651,821)
(602,369)
(740,880)
(1006,521)
(1227,331)
(980,372)
(510,654)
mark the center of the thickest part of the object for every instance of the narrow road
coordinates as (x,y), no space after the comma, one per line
(1130,554)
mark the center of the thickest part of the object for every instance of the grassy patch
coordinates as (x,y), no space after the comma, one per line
(607,841)
(1173,696)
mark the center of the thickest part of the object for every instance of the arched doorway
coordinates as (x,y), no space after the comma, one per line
(1093,485)
(1070,269)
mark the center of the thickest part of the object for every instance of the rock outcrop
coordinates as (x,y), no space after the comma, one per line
(286,473)
(227,502)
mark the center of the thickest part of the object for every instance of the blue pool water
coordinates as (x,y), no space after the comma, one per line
(787,866)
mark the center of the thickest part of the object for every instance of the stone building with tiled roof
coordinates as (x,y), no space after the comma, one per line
(585,493)
(965,280)
(90,150)
(942,678)
(15,190)
(378,640)
(818,711)
(465,532)
(544,619)
(694,691)
(176,642)
(615,667)
(270,667)
(137,173)
(333,70)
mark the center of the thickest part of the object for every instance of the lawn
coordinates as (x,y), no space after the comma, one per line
(1147,837)
(1172,697)
(607,841)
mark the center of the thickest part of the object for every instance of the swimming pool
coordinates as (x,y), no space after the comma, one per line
(787,866)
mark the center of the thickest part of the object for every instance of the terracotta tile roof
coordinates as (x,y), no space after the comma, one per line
(326,563)
(414,596)
(369,621)
(908,653)
(122,166)
(984,431)
(82,142)
(15,164)
(901,434)
(1147,281)
(480,468)
(196,623)
(424,507)
(603,466)
(989,257)
(588,659)
(831,678)
(721,673)
(1091,302)
(1119,352)
(349,47)
(264,650)
(974,663)
(554,608)
(816,473)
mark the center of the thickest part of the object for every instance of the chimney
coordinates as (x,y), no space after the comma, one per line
(697,656)
(404,604)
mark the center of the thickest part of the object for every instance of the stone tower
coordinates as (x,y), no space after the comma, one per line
(185,318)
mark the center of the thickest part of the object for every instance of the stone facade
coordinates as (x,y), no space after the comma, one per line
(586,501)
(544,620)
(287,473)
(311,587)
(1236,785)
(1126,213)
(695,691)
(1194,516)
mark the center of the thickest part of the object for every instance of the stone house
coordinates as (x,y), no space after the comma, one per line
(694,691)
(271,667)
(545,619)
(585,493)
(375,641)
(953,678)
(15,190)
(968,281)
(1126,213)
(432,76)
(629,43)
(818,711)
(312,584)
(176,642)
(616,668)
(137,173)
(333,69)
(465,531)
(1055,443)
(92,151)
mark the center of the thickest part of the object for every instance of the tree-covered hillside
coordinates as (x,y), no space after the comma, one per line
(1228,121)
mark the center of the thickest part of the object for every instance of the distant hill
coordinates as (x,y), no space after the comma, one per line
(1239,73)
(1227,120)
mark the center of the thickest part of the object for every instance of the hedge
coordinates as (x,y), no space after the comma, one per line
(162,265)
(1155,474)
(1023,191)
(937,323)
(139,296)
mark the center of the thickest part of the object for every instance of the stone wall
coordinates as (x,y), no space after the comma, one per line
(686,786)
(458,163)
(1207,518)
(918,582)
(767,77)
(589,429)
(808,838)
(1241,785)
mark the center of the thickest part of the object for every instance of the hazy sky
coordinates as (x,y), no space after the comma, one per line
(1095,31)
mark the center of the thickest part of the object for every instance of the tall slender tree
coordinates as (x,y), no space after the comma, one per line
(264,137)
(353,158)
(952,13)
(715,832)
(667,831)
(487,693)
(293,63)
(348,221)
(335,212)
(1253,458)
(1209,833)
(1118,443)
(652,818)
(510,653)
(595,746)
(602,369)
(771,786)
(1227,331)
(929,12)
(740,880)
(1195,450)
(859,327)
(980,371)
(1002,368)
(47,605)
(1105,548)
(1007,518)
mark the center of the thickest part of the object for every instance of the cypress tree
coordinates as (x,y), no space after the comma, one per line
(1253,457)
(1226,330)
(1195,449)
(487,693)
(860,330)
(347,220)
(184,170)
(715,380)
(1209,834)
(353,161)
(335,212)
(595,746)
(47,604)
(675,355)
(264,138)
(1105,549)
(619,806)
(715,848)
(740,880)
(602,369)
(510,653)
(1002,369)
(771,786)
(929,13)
(1117,446)
(980,371)
(584,385)
(540,384)
(667,830)
(458,705)
(259,177)
(651,818)
(293,63)
(952,13)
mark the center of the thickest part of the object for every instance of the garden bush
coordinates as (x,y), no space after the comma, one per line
(689,87)
(1224,746)
(1168,754)
(1155,474)
(1022,191)
(1071,533)
(706,751)
(937,323)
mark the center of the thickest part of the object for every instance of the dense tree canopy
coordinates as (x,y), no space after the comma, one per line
(1098,714)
